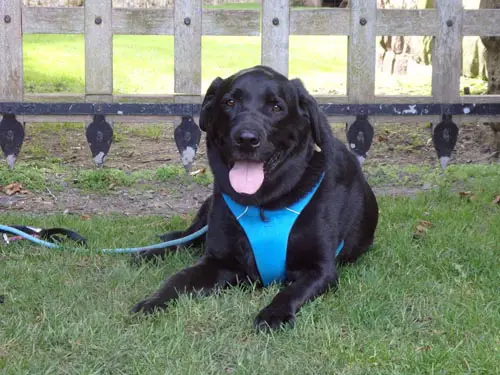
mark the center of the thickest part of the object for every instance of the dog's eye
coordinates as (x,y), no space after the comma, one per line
(229,102)
(276,108)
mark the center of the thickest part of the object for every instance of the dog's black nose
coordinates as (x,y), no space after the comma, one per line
(247,139)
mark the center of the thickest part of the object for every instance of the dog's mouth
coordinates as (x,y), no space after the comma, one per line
(247,176)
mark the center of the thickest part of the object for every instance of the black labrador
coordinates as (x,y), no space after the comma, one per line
(273,157)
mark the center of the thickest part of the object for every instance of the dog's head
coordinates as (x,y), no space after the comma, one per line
(259,124)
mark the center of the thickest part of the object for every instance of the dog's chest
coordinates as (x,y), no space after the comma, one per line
(268,232)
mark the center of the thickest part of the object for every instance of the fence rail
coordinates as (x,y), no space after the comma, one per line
(187,21)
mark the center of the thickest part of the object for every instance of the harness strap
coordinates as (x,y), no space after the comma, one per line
(269,239)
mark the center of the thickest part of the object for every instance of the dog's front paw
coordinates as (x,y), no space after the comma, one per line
(149,306)
(273,317)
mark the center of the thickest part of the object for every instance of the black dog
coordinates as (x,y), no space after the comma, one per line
(274,157)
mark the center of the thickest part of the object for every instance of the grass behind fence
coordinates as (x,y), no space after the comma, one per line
(410,306)
(145,64)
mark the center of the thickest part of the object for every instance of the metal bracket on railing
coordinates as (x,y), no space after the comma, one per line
(99,135)
(187,137)
(444,136)
(11,138)
(360,135)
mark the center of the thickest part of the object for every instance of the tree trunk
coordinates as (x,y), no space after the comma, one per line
(492,45)
(395,51)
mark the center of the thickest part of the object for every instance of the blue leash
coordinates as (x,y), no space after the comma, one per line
(161,245)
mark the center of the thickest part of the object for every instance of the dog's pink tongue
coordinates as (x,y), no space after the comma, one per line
(246,176)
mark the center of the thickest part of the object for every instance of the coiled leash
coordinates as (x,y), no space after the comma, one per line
(50,237)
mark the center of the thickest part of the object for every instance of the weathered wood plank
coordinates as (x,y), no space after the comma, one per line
(361,52)
(53,98)
(479,99)
(149,21)
(332,119)
(98,48)
(320,22)
(41,20)
(334,99)
(231,22)
(481,22)
(139,21)
(187,46)
(447,52)
(159,21)
(400,99)
(11,51)
(275,34)
(406,22)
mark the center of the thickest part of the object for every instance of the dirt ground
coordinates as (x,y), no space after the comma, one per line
(139,148)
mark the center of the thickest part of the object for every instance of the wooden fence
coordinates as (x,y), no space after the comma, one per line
(275,22)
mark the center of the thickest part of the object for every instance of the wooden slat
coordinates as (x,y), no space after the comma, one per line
(447,52)
(334,99)
(231,22)
(406,22)
(159,21)
(275,38)
(399,99)
(332,119)
(150,21)
(139,21)
(329,99)
(320,22)
(480,99)
(187,47)
(361,52)
(98,48)
(481,22)
(11,51)
(54,98)
(374,120)
(42,20)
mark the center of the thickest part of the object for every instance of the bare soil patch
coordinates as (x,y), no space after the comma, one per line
(148,147)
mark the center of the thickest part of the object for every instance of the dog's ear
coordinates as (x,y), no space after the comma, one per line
(208,104)
(308,107)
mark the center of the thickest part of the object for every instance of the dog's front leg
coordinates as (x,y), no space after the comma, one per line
(205,276)
(287,302)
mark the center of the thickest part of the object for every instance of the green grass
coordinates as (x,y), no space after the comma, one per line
(145,64)
(32,176)
(427,306)
(418,176)
(36,176)
(103,179)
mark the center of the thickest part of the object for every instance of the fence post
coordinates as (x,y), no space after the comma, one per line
(361,73)
(446,71)
(361,52)
(275,34)
(11,77)
(11,51)
(99,73)
(187,74)
(187,46)
(98,50)
(447,52)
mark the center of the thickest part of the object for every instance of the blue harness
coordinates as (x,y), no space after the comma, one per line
(269,239)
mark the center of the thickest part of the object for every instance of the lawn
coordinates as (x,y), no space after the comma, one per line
(411,306)
(423,301)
